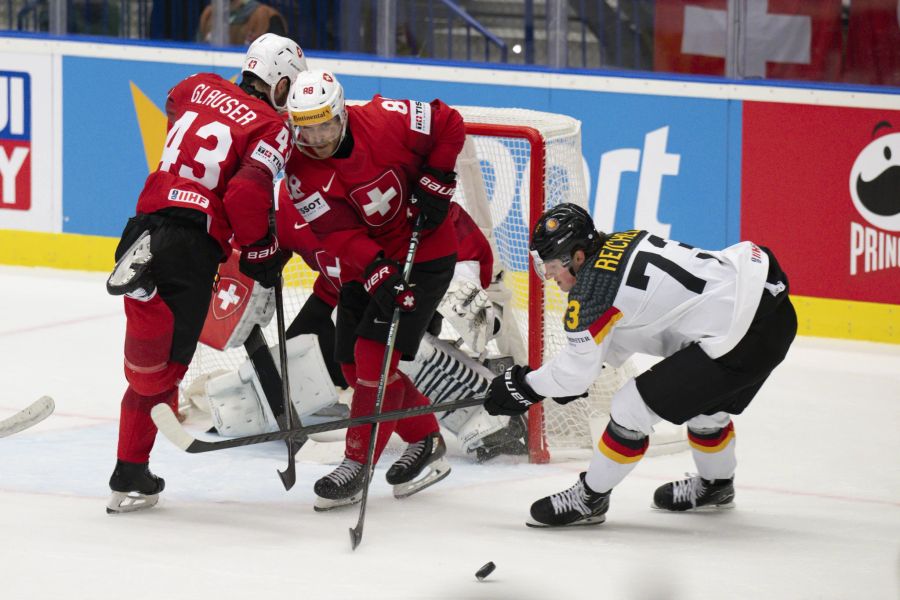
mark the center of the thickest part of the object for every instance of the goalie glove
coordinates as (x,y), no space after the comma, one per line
(386,286)
(471,313)
(510,394)
(432,194)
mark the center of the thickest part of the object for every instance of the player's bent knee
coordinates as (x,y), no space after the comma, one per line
(631,412)
(150,381)
(709,423)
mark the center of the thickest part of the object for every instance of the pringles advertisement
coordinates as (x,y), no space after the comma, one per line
(821,187)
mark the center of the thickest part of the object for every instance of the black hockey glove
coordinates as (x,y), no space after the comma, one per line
(510,394)
(387,288)
(263,260)
(432,195)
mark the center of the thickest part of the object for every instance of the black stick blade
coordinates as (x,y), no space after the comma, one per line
(355,537)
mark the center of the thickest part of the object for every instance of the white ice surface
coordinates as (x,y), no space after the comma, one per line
(817,516)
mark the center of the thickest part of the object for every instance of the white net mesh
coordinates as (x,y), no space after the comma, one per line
(503,157)
(495,187)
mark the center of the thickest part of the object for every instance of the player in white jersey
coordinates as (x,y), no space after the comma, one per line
(721,320)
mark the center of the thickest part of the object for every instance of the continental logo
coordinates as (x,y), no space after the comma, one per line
(613,249)
(312,117)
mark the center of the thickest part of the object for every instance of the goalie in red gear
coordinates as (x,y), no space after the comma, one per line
(224,146)
(361,177)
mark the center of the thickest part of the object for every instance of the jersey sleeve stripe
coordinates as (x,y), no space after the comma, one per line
(602,326)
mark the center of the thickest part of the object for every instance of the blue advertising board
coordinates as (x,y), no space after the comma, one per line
(668,164)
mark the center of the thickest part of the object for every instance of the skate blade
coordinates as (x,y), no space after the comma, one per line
(699,509)
(439,469)
(324,504)
(125,502)
(580,523)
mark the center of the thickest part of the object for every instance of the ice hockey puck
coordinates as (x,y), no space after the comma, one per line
(484,571)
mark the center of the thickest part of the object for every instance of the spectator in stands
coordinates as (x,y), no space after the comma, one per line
(247,20)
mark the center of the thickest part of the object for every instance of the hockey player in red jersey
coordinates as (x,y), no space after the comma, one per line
(363,174)
(721,320)
(224,146)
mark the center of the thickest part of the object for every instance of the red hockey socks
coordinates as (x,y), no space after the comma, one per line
(368,356)
(137,431)
(415,429)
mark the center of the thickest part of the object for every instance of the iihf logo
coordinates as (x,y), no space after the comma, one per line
(15,140)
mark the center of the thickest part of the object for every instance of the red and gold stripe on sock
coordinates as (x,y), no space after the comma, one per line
(711,442)
(622,450)
(602,326)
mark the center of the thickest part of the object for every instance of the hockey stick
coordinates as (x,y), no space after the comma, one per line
(39,410)
(289,475)
(171,428)
(356,532)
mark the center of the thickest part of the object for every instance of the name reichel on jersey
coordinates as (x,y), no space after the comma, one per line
(644,294)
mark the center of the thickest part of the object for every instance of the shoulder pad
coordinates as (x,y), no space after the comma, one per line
(599,280)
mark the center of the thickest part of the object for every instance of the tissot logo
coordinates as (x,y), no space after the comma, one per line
(15,140)
(875,192)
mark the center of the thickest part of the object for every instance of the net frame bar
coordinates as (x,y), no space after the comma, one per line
(538,450)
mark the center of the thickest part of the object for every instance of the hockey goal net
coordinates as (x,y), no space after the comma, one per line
(516,163)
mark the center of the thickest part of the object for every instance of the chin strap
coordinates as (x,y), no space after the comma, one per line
(250,89)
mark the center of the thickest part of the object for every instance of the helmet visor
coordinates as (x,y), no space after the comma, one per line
(319,134)
(549,269)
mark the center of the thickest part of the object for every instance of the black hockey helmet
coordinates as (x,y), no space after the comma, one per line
(559,232)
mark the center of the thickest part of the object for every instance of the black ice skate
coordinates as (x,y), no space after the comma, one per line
(695,493)
(133,487)
(578,505)
(341,487)
(427,456)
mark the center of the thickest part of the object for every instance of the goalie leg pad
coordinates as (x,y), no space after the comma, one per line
(238,405)
(480,425)
(311,386)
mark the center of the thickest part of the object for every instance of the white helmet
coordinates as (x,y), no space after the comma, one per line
(317,99)
(271,58)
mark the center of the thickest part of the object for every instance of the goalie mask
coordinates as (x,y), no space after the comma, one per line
(318,115)
(558,233)
(270,59)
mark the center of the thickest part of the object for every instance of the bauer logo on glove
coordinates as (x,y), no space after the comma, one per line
(387,288)
(510,394)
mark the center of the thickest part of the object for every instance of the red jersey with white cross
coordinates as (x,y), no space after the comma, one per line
(358,205)
(216,130)
(294,234)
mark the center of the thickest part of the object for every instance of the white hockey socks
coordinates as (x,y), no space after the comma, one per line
(616,455)
(713,448)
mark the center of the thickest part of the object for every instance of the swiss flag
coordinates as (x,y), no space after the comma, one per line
(784,39)
(873,43)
